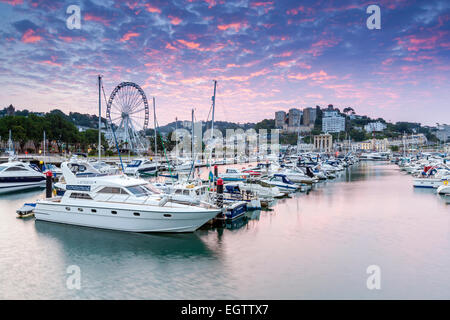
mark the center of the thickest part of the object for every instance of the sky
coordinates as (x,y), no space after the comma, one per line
(266,56)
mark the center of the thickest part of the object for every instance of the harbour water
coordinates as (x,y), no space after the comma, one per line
(315,245)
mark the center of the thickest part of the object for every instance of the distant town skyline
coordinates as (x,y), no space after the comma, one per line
(267,56)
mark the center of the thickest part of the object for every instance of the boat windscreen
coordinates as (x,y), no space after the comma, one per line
(152,189)
(134,164)
(139,191)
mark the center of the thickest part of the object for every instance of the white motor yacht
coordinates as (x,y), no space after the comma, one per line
(121,203)
(444,188)
(17,175)
(233,174)
(282,182)
(105,168)
(141,167)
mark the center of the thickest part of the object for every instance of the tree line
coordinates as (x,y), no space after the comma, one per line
(58,129)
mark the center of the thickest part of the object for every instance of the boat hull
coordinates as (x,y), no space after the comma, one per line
(12,187)
(428,183)
(123,219)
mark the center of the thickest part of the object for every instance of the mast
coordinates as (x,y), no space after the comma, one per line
(192,138)
(213,111)
(44,146)
(213,107)
(192,147)
(154,126)
(176,138)
(10,143)
(99,118)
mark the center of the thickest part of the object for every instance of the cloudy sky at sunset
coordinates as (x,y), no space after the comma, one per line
(266,56)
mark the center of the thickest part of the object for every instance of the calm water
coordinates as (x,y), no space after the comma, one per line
(315,245)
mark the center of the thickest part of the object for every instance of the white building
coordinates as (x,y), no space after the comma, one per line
(409,140)
(375,126)
(294,117)
(330,113)
(333,123)
(443,132)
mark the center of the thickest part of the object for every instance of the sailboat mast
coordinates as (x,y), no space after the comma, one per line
(44,146)
(154,127)
(176,137)
(192,138)
(213,107)
(99,118)
(10,141)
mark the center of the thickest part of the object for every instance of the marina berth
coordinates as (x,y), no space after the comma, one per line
(121,203)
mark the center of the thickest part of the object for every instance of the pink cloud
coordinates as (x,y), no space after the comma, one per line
(415,43)
(51,62)
(92,17)
(175,20)
(319,77)
(189,44)
(236,26)
(170,47)
(12,2)
(30,37)
(127,36)
(295,11)
(151,8)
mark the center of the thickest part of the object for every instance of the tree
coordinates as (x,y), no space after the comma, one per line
(265,124)
(348,111)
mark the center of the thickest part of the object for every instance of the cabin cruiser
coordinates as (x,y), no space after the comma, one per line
(297,176)
(105,168)
(282,182)
(141,167)
(122,203)
(432,177)
(17,175)
(444,188)
(184,166)
(263,190)
(233,174)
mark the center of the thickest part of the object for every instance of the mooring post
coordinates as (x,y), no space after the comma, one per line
(48,184)
(220,193)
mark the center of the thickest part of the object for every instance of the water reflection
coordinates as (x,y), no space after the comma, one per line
(101,242)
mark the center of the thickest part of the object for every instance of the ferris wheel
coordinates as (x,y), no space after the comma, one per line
(127,111)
